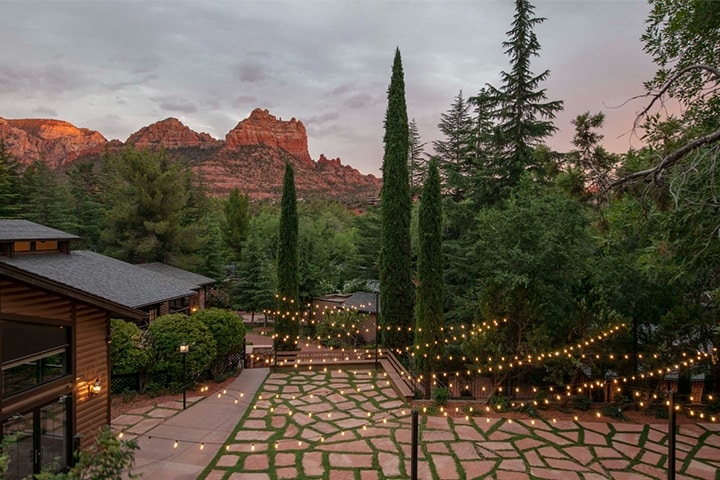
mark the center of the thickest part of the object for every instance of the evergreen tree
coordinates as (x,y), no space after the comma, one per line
(429,340)
(396,289)
(523,115)
(236,221)
(287,321)
(45,199)
(148,204)
(86,188)
(417,161)
(9,184)
(456,152)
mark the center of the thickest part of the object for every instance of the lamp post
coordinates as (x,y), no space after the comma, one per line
(184,349)
(377,327)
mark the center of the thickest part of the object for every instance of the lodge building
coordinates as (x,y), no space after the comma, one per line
(55,310)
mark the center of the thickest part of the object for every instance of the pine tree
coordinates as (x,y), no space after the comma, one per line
(396,289)
(287,321)
(9,184)
(417,161)
(429,306)
(236,221)
(148,202)
(524,116)
(456,152)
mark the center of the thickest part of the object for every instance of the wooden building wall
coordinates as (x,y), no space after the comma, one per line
(89,352)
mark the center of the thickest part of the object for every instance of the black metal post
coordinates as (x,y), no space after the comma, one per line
(672,431)
(184,381)
(377,328)
(414,447)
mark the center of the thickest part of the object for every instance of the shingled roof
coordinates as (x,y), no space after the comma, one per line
(178,274)
(104,277)
(16,230)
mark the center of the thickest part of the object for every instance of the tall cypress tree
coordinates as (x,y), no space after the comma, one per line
(523,114)
(396,289)
(417,161)
(287,321)
(429,294)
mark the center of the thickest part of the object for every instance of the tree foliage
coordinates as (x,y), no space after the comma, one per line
(429,335)
(228,330)
(523,114)
(287,323)
(235,222)
(148,201)
(396,290)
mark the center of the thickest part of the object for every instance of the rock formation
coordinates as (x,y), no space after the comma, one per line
(252,158)
(170,133)
(261,127)
(55,141)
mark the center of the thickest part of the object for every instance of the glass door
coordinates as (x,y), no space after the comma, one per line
(38,440)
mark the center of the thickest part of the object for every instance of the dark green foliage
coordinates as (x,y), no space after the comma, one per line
(236,221)
(524,117)
(168,332)
(582,402)
(129,349)
(367,244)
(429,336)
(396,290)
(9,184)
(45,199)
(148,203)
(106,459)
(86,203)
(499,403)
(679,35)
(417,160)
(228,330)
(441,395)
(340,328)
(457,151)
(287,322)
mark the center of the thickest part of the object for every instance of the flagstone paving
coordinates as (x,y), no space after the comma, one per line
(345,424)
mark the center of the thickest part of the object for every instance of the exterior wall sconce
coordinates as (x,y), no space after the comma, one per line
(95,387)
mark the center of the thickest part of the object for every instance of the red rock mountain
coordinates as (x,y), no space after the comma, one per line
(251,158)
(56,141)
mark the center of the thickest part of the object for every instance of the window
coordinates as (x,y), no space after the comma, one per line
(32,354)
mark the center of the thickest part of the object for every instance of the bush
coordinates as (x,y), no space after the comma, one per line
(499,403)
(129,352)
(340,328)
(169,331)
(441,396)
(614,411)
(228,330)
(581,402)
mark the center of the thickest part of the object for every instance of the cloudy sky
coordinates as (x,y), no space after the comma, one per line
(116,66)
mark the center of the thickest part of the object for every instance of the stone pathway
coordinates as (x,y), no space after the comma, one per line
(344,424)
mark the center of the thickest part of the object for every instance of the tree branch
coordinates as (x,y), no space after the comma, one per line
(669,159)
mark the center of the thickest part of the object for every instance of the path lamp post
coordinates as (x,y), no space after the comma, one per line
(377,327)
(184,349)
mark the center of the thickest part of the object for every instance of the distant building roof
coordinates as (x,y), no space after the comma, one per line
(178,274)
(105,277)
(16,230)
(362,301)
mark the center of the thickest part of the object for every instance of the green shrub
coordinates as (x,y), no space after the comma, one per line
(168,332)
(340,328)
(499,403)
(228,330)
(614,411)
(582,402)
(441,396)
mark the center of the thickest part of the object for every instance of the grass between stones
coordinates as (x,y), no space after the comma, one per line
(350,424)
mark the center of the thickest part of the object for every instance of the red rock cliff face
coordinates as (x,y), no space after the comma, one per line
(263,128)
(170,133)
(56,141)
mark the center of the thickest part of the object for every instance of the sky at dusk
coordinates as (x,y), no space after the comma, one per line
(117,66)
